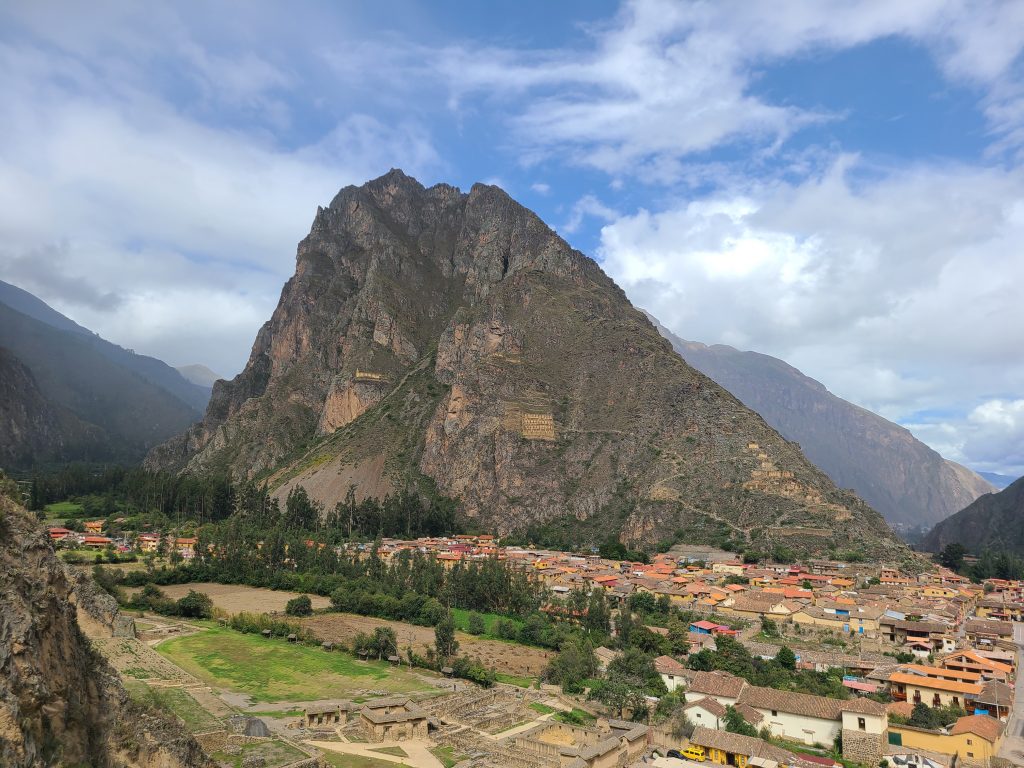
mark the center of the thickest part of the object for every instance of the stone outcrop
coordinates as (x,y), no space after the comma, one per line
(60,703)
(511,374)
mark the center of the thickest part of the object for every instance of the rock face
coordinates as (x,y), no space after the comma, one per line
(909,483)
(995,521)
(452,341)
(60,703)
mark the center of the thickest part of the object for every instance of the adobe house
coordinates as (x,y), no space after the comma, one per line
(395,718)
(325,715)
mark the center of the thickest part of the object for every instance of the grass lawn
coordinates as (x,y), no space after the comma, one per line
(544,709)
(355,761)
(273,670)
(520,680)
(274,753)
(63,509)
(174,700)
(447,755)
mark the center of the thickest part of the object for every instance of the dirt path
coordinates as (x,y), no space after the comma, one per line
(509,658)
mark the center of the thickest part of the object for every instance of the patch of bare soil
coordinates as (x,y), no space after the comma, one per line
(235,598)
(509,658)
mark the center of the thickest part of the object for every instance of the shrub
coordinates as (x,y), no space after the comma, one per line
(476,624)
(299,606)
(196,605)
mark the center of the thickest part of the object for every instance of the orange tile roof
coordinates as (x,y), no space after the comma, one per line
(920,681)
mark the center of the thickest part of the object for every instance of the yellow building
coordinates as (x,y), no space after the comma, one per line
(973,739)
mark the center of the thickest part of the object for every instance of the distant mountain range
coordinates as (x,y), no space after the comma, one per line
(997,480)
(908,482)
(994,521)
(199,375)
(69,395)
(452,343)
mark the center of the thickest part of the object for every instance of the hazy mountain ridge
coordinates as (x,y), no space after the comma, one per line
(199,375)
(908,482)
(997,480)
(153,370)
(994,521)
(452,340)
(123,410)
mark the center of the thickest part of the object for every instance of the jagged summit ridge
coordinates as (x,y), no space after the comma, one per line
(452,341)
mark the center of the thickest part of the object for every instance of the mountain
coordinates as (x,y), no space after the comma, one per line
(60,702)
(994,521)
(909,483)
(199,375)
(451,342)
(36,430)
(72,376)
(155,371)
(997,480)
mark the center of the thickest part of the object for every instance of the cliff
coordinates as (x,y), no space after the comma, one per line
(60,703)
(452,342)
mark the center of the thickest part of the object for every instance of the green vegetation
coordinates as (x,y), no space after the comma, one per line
(273,670)
(340,760)
(62,509)
(396,751)
(544,709)
(575,717)
(176,701)
(299,606)
(520,680)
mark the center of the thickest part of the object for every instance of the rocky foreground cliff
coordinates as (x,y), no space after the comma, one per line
(452,342)
(909,483)
(60,703)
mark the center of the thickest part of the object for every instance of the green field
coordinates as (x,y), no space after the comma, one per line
(177,702)
(522,682)
(273,670)
(447,756)
(63,509)
(544,709)
(356,761)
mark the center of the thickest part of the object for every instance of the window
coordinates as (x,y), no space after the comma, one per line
(775,713)
(861,724)
(970,741)
(970,754)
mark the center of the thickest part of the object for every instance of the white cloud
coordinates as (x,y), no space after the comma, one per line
(587,206)
(666,80)
(541,188)
(145,221)
(899,294)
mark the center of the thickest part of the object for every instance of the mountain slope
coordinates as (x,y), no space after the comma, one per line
(908,482)
(35,430)
(994,521)
(453,341)
(69,371)
(60,703)
(155,371)
(199,375)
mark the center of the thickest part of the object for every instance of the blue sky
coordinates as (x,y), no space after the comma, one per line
(835,183)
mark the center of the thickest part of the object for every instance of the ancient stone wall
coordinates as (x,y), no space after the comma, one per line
(862,747)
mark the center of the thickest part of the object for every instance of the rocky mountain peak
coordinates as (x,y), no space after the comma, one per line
(453,342)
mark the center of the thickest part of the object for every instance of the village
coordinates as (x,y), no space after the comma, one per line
(904,643)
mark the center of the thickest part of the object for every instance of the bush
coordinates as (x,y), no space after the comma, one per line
(506,629)
(299,606)
(476,624)
(196,605)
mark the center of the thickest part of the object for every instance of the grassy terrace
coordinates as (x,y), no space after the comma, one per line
(274,670)
(175,700)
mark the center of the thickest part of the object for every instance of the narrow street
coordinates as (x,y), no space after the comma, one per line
(1012,748)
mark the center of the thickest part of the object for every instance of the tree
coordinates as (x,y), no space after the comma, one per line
(952,556)
(385,642)
(476,624)
(444,637)
(785,658)
(299,606)
(924,716)
(769,628)
(196,605)
(736,723)
(573,664)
